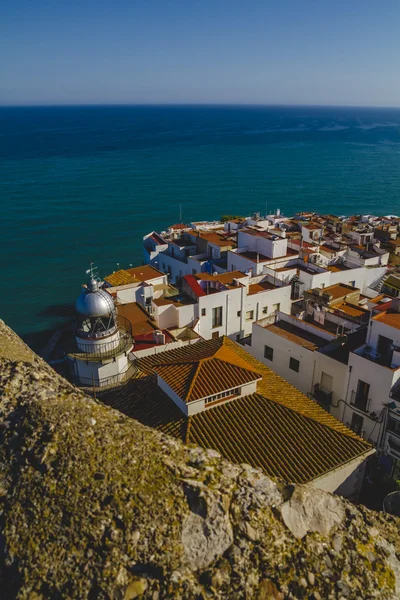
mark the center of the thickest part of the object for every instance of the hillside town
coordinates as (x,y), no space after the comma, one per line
(274,340)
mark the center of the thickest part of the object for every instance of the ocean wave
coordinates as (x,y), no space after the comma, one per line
(367,126)
(333,128)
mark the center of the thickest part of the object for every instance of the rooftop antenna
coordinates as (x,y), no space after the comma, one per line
(180,213)
(266,208)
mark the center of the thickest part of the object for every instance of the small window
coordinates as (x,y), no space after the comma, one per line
(215,335)
(239,313)
(269,353)
(249,315)
(352,283)
(294,364)
(203,312)
(217,316)
(194,272)
(265,310)
(276,306)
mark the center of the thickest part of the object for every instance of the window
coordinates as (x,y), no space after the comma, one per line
(326,382)
(265,310)
(194,271)
(357,422)
(249,315)
(322,286)
(215,335)
(203,312)
(233,268)
(239,313)
(276,306)
(294,364)
(268,353)
(217,316)
(352,283)
(226,394)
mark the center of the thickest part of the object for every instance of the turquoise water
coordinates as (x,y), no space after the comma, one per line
(82,184)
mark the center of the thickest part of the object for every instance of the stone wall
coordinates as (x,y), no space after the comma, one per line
(96,506)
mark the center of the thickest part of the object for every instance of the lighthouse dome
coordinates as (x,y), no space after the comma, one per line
(94,302)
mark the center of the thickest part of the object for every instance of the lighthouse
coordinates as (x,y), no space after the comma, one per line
(103,340)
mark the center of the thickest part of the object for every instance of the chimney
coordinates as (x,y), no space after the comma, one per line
(396,304)
(159,337)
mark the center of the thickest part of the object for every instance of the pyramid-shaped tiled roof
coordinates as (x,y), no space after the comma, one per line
(195,379)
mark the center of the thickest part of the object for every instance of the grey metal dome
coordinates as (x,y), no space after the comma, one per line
(94,302)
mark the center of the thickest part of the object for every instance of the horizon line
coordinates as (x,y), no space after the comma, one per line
(195,105)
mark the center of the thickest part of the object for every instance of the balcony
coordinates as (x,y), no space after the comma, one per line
(106,350)
(360,401)
(323,397)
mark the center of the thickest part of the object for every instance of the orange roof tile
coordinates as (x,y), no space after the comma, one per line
(205,377)
(120,277)
(278,429)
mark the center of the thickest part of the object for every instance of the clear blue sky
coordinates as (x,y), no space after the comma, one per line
(343,52)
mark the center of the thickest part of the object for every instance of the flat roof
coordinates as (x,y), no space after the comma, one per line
(389,317)
(337,290)
(256,257)
(297,335)
(137,316)
(145,272)
(352,310)
(263,286)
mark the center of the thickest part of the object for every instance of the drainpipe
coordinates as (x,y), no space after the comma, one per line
(241,309)
(347,394)
(227,314)
(312,379)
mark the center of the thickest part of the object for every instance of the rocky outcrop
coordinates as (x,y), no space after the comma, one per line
(94,505)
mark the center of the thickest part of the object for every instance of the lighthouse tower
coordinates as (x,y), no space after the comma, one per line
(103,339)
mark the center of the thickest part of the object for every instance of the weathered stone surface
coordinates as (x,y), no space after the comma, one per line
(95,506)
(311,510)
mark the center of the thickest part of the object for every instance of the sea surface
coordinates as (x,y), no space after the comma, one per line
(84,184)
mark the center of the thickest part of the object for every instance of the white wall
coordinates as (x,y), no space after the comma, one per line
(345,480)
(284,349)
(165,315)
(314,279)
(380,379)
(173,395)
(378,328)
(272,248)
(340,375)
(95,371)
(160,348)
(237,262)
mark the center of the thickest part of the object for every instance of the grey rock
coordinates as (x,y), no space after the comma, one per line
(311,510)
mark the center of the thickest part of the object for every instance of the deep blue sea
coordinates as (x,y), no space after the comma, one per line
(82,184)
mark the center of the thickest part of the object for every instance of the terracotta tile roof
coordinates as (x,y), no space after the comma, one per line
(194,379)
(278,429)
(284,443)
(120,277)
